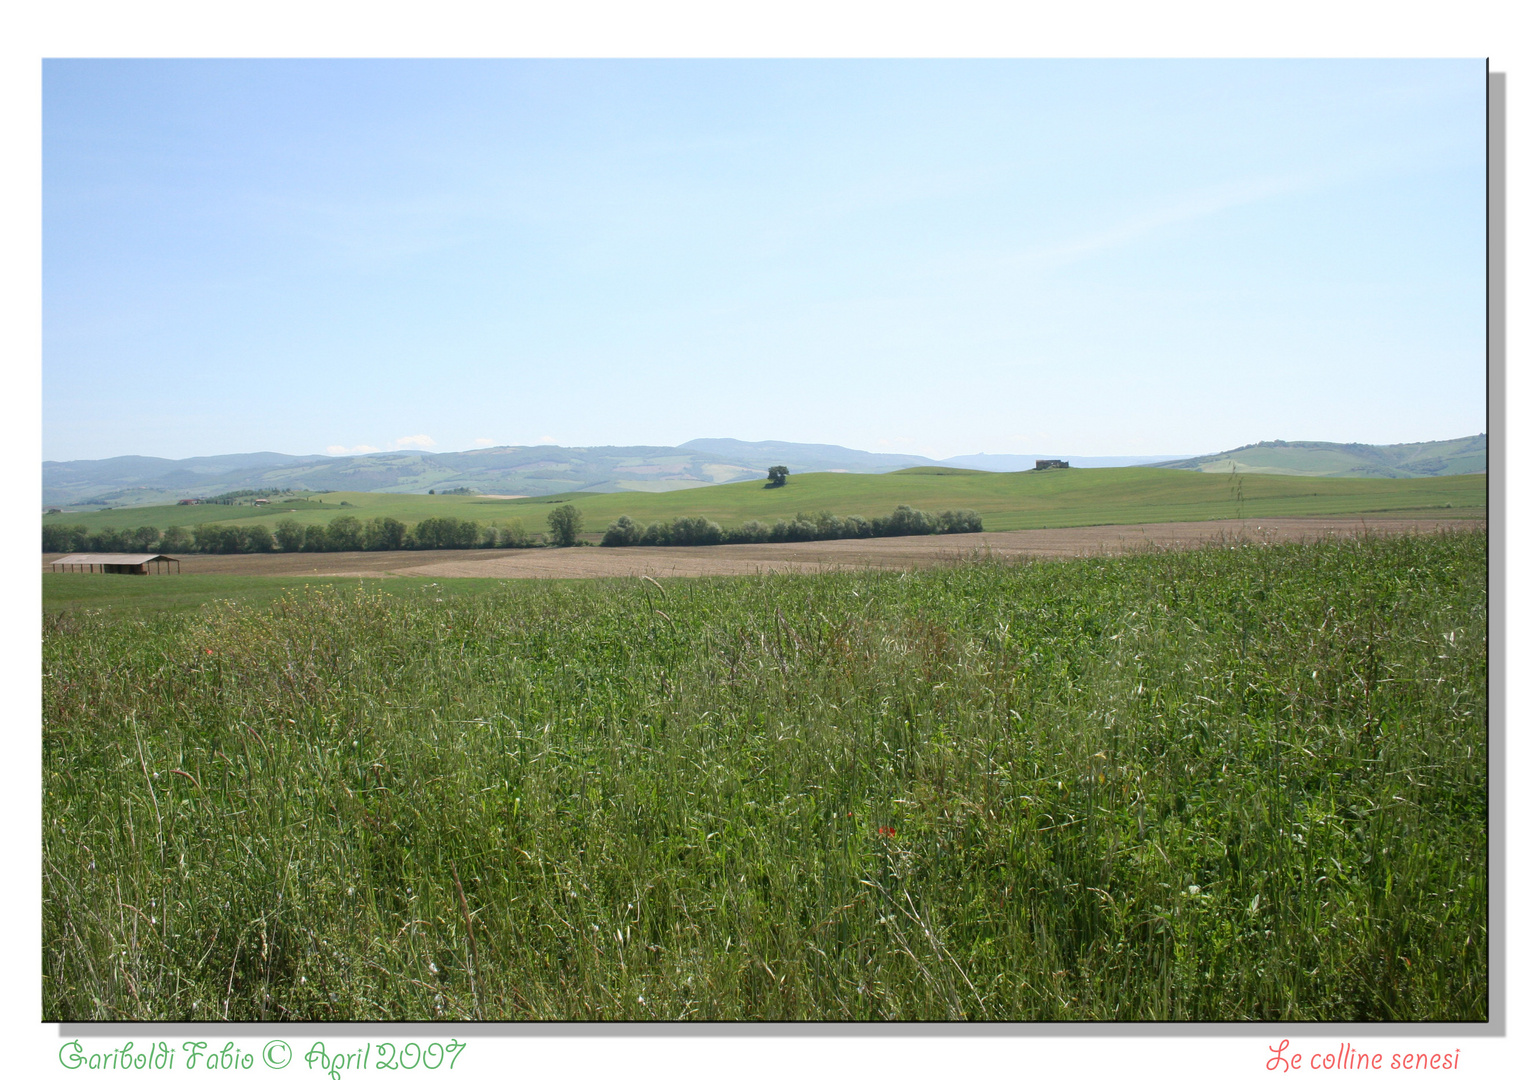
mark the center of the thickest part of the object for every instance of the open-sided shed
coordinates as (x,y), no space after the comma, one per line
(110,562)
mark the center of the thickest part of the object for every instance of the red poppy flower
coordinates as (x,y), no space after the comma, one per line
(887,830)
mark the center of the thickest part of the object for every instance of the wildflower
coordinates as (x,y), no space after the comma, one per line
(887,830)
(209,652)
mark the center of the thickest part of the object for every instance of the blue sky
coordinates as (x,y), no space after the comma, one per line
(938,257)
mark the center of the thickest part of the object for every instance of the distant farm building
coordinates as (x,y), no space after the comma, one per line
(113,563)
(1050,463)
(262,502)
(188,502)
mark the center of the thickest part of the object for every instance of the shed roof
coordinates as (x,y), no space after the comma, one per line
(100,558)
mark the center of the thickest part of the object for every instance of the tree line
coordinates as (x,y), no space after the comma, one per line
(344,533)
(904,521)
(349,533)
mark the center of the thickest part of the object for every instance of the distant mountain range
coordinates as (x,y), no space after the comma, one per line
(549,470)
(502,470)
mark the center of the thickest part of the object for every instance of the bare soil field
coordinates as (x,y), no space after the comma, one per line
(905,552)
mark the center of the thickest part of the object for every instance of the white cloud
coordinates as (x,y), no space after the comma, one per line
(483,442)
(546,439)
(406,442)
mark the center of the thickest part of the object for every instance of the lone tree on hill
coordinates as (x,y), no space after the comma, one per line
(565,521)
(778,474)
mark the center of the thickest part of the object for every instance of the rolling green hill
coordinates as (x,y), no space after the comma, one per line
(1450,457)
(556,470)
(1005,500)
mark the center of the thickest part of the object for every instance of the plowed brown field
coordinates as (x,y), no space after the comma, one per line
(905,552)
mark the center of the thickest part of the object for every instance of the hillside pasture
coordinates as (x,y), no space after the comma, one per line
(1051,499)
(1449,457)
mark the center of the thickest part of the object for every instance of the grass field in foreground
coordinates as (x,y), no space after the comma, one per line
(1005,500)
(1233,783)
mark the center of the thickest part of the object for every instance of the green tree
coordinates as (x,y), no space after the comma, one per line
(468,534)
(214,539)
(798,530)
(623,532)
(904,521)
(435,533)
(64,538)
(514,535)
(750,532)
(564,522)
(857,528)
(258,538)
(384,534)
(344,533)
(175,541)
(289,535)
(959,521)
(777,475)
(207,537)
(694,530)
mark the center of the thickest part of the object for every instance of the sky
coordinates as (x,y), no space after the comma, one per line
(932,257)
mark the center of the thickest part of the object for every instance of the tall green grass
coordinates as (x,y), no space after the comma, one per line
(1245,782)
